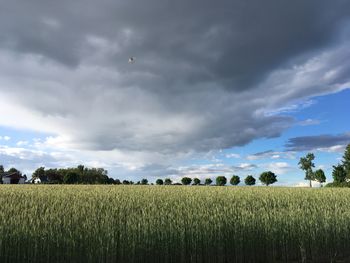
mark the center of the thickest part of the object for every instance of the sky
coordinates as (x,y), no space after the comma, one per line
(217,88)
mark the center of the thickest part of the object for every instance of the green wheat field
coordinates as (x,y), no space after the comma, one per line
(41,223)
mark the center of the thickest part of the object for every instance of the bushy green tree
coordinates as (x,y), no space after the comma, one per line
(71,177)
(320,176)
(186,180)
(117,181)
(144,181)
(338,174)
(168,181)
(2,170)
(196,181)
(306,164)
(55,176)
(268,178)
(346,161)
(159,182)
(208,181)
(235,180)
(249,180)
(221,180)
(126,182)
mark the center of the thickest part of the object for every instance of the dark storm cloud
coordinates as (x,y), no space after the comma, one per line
(308,143)
(207,74)
(234,43)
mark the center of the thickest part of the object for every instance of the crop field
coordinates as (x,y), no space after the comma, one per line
(41,223)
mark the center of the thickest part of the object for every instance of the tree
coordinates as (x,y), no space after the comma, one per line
(235,180)
(2,170)
(249,180)
(268,178)
(168,181)
(306,164)
(159,182)
(117,181)
(346,161)
(186,180)
(53,176)
(221,180)
(144,181)
(196,181)
(40,173)
(71,177)
(81,169)
(339,174)
(110,181)
(14,170)
(126,182)
(208,181)
(320,176)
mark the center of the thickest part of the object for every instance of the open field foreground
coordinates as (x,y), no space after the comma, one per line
(173,224)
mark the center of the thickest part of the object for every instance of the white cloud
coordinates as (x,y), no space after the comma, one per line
(279,168)
(22,143)
(309,122)
(246,166)
(271,155)
(233,155)
(333,149)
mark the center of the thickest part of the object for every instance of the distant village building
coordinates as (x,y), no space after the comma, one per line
(13,178)
(36,181)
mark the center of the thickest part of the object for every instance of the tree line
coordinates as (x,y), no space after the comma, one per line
(340,173)
(76,175)
(266,178)
(85,175)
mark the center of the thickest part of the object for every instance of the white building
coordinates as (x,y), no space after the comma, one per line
(36,181)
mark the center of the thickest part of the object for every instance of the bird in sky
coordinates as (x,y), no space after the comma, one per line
(131,60)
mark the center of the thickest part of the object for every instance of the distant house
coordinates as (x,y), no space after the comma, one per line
(13,178)
(36,181)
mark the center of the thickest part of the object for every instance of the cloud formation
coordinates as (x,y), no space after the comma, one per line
(207,75)
(325,142)
(270,154)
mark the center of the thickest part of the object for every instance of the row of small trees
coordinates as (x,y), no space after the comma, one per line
(266,178)
(340,173)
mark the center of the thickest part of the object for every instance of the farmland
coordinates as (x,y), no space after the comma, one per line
(55,223)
